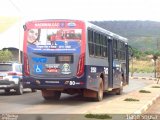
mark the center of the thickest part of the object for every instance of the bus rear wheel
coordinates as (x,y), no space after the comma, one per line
(51,95)
(99,94)
(119,91)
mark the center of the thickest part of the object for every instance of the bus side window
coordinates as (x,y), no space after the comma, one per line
(90,42)
(115,48)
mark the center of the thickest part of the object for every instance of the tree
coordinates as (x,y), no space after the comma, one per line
(5,55)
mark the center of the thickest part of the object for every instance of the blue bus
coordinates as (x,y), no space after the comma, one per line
(73,56)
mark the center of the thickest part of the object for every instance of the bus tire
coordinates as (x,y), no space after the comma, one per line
(47,97)
(33,90)
(99,96)
(119,91)
(57,95)
(51,95)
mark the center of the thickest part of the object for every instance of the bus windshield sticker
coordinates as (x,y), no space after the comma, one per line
(66,69)
(52,70)
(62,24)
(105,70)
(38,68)
(52,65)
(71,24)
(93,69)
(39,60)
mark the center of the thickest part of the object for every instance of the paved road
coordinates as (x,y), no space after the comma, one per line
(34,103)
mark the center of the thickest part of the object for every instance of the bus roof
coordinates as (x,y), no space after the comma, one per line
(110,34)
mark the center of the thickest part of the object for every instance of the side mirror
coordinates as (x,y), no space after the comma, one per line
(130,52)
(24,27)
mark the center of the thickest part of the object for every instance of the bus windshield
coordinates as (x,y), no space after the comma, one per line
(54,40)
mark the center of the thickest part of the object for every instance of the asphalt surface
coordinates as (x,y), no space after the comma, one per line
(33,103)
(32,106)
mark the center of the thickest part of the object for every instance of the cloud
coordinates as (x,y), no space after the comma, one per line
(83,9)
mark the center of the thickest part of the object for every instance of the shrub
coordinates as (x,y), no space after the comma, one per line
(98,116)
(130,99)
(144,91)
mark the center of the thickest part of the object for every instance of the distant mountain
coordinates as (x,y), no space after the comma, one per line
(143,35)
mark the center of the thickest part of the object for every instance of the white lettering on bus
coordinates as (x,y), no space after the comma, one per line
(93,69)
(105,70)
(47,24)
(72,82)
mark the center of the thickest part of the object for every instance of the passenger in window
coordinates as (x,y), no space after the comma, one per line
(52,39)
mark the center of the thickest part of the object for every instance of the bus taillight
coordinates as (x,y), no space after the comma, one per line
(80,68)
(26,66)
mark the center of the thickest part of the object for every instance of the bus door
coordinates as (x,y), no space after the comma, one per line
(114,72)
(125,67)
(124,73)
(117,76)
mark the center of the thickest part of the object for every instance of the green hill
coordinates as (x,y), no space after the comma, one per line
(143,35)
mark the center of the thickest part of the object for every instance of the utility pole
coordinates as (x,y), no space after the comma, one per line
(131,56)
(155,57)
(19,11)
(132,68)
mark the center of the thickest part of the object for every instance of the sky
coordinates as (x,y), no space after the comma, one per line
(82,9)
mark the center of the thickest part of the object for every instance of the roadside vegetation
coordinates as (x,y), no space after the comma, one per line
(131,99)
(144,91)
(155,86)
(143,62)
(98,116)
(5,55)
(142,66)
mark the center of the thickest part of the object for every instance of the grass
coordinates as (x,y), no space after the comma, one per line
(144,91)
(155,86)
(142,66)
(6,22)
(98,116)
(131,99)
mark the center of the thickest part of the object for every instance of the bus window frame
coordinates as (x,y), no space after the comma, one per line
(99,44)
